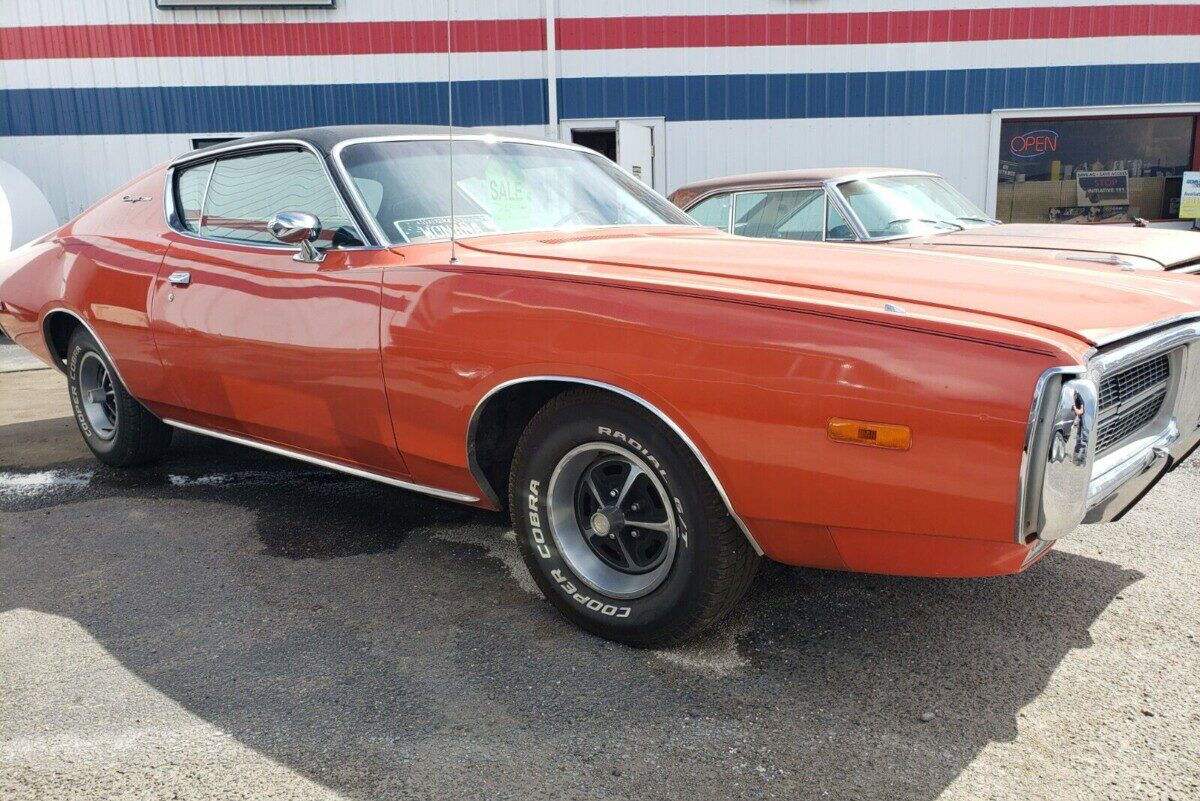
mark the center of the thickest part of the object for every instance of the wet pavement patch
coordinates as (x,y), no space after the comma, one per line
(300,512)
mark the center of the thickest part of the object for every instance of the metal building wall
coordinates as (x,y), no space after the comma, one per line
(93,91)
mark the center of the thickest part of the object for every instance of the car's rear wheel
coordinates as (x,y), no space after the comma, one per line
(620,525)
(117,429)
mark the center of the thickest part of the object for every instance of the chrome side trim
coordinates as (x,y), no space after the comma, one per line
(304,457)
(62,368)
(481,479)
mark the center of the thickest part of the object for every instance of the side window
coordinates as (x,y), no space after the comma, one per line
(835,224)
(713,212)
(247,191)
(189,194)
(807,220)
(785,214)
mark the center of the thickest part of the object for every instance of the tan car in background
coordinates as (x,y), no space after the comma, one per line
(917,209)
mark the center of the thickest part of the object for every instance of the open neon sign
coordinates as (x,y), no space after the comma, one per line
(1032,144)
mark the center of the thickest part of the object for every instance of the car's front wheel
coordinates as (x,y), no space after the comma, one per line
(620,525)
(117,429)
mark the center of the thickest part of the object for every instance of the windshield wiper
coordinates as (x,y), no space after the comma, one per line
(929,220)
(989,220)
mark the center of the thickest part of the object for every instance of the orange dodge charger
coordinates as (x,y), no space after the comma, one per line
(657,404)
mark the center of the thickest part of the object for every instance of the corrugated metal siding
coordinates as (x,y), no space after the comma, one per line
(92,91)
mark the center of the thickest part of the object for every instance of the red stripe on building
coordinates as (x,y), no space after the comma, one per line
(603,33)
(269,39)
(879,27)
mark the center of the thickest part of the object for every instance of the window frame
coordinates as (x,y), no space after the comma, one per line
(854,237)
(171,197)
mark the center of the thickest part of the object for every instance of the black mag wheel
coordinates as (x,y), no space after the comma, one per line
(97,395)
(611,520)
(620,525)
(118,430)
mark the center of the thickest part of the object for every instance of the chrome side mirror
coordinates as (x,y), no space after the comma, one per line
(298,228)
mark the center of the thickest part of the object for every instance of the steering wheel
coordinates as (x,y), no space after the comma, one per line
(580,217)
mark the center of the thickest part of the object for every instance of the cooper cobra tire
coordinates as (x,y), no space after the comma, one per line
(117,429)
(647,587)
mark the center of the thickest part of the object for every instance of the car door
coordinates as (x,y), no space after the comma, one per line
(258,342)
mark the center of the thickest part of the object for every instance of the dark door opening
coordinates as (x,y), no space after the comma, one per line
(208,141)
(603,142)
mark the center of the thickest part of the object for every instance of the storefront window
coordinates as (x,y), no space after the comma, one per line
(1092,170)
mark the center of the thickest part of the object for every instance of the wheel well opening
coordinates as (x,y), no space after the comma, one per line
(498,426)
(57,328)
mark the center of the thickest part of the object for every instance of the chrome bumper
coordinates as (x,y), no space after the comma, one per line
(1064,484)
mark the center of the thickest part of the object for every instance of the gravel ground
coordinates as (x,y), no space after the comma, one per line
(232,625)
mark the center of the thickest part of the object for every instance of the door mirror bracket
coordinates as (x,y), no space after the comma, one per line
(298,228)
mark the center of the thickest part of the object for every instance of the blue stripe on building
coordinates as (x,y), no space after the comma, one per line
(189,109)
(41,112)
(876,94)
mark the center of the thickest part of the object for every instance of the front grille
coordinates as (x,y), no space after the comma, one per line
(1133,381)
(1125,423)
(1130,399)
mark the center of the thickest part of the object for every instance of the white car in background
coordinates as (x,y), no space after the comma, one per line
(911,208)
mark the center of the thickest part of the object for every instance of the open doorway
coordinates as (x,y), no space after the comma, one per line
(637,144)
(603,141)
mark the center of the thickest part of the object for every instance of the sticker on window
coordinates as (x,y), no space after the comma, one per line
(427,229)
(507,197)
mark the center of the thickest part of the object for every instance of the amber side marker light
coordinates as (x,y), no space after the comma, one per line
(875,435)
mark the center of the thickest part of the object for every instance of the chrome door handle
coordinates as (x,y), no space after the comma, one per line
(179,278)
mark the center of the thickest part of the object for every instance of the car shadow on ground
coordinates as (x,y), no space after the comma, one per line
(376,641)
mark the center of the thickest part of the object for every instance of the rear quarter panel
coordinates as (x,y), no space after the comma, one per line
(101,266)
(28,276)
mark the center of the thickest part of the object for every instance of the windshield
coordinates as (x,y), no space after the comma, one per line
(910,205)
(499,187)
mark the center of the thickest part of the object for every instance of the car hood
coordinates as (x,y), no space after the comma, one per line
(1091,305)
(1173,249)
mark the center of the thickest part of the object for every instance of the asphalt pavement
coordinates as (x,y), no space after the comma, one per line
(228,624)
